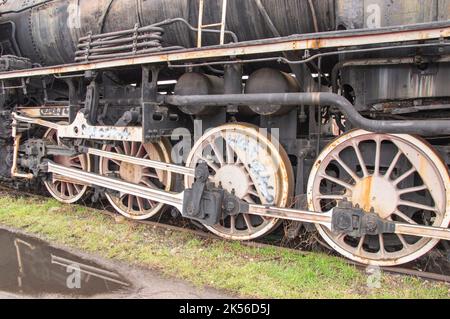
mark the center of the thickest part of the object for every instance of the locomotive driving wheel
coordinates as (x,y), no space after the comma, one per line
(61,189)
(250,165)
(398,177)
(131,206)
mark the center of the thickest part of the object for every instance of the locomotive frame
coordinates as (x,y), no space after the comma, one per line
(208,202)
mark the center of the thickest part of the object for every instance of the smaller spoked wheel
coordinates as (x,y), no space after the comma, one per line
(59,187)
(398,177)
(131,206)
(250,165)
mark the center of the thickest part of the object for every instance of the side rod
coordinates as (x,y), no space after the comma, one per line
(176,200)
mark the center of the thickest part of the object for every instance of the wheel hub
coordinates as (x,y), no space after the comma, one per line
(233,178)
(130,172)
(376,193)
(62,160)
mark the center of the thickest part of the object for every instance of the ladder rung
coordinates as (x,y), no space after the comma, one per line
(222,24)
(212,25)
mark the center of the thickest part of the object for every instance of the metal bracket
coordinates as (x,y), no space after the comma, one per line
(91,103)
(203,202)
(355,222)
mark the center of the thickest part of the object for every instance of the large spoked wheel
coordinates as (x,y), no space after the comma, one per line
(60,188)
(399,177)
(252,166)
(131,206)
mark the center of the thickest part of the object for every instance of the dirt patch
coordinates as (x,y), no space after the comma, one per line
(32,267)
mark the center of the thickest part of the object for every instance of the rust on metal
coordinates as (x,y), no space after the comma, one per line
(244,49)
(45,111)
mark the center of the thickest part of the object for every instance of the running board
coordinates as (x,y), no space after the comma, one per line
(342,220)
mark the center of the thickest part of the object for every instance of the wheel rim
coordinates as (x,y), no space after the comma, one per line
(131,206)
(241,158)
(399,177)
(65,191)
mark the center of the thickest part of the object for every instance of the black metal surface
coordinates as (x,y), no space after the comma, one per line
(202,202)
(268,80)
(54,41)
(198,84)
(357,223)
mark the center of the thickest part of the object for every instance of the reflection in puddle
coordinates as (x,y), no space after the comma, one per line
(30,266)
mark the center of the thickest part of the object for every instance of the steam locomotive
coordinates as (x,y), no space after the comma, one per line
(238,114)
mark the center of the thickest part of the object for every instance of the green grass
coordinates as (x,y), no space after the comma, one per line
(230,266)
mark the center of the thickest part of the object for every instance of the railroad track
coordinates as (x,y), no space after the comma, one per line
(206,235)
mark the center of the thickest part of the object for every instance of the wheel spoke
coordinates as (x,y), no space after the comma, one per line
(118,149)
(393,164)
(360,244)
(152,203)
(404,176)
(248,222)
(130,203)
(78,188)
(147,182)
(337,181)
(404,217)
(346,168)
(140,150)
(134,149)
(249,199)
(232,224)
(381,240)
(126,148)
(151,175)
(403,241)
(230,153)
(63,188)
(412,190)
(377,156)
(253,192)
(331,197)
(209,162)
(360,159)
(341,236)
(140,204)
(218,153)
(416,205)
(70,189)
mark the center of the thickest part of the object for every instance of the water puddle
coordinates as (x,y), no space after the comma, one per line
(31,267)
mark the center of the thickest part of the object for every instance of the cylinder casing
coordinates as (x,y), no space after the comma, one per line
(198,84)
(269,80)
